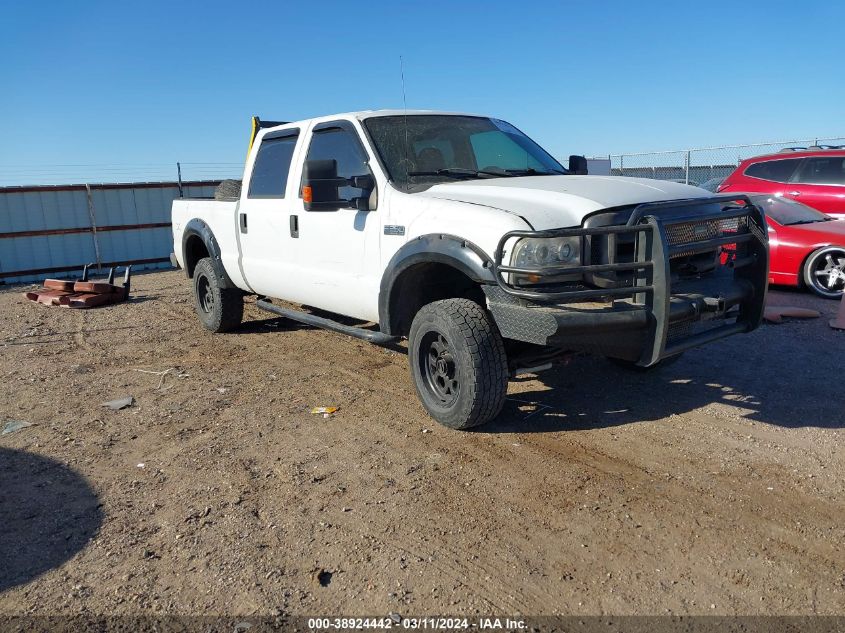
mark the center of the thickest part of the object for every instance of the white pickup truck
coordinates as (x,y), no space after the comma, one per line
(464,236)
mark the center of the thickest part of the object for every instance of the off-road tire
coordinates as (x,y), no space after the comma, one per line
(219,309)
(632,366)
(228,189)
(473,347)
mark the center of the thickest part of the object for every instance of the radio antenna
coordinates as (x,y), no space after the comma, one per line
(405,106)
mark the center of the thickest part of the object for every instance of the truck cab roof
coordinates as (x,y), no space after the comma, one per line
(362,115)
(261,128)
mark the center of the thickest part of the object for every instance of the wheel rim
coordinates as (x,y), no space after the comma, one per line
(828,273)
(205,294)
(438,367)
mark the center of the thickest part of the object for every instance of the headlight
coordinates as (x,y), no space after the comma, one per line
(545,252)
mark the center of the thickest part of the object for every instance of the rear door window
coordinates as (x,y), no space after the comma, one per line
(272,165)
(774,170)
(823,170)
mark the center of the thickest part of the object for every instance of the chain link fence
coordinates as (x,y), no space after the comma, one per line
(15,175)
(697,166)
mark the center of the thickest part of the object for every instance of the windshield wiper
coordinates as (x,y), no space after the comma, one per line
(530,171)
(456,172)
(460,172)
(804,222)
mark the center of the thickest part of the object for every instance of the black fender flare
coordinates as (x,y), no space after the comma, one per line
(438,248)
(200,229)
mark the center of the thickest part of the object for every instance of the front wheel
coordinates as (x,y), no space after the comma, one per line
(458,363)
(824,272)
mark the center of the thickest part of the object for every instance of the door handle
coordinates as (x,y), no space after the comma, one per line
(243,222)
(794,193)
(294,226)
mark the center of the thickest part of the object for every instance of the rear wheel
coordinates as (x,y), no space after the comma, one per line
(824,272)
(219,309)
(458,363)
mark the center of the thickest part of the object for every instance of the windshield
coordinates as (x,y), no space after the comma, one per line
(420,150)
(785,211)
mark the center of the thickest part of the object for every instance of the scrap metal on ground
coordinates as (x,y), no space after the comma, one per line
(82,293)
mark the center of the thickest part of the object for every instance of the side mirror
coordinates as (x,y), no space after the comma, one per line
(578,165)
(366,182)
(321,184)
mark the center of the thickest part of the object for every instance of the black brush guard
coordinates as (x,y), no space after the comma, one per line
(651,224)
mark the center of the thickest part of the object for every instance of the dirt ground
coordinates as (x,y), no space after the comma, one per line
(713,486)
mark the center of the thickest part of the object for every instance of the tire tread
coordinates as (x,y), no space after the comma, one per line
(484,355)
(230,313)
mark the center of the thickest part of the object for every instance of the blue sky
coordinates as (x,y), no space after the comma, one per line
(135,86)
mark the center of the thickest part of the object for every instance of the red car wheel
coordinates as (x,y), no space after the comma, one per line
(824,272)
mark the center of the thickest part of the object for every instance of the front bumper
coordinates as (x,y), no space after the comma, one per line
(655,311)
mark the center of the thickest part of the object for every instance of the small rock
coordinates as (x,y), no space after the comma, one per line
(120,403)
(14,425)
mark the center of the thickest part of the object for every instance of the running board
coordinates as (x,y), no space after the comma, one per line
(379,338)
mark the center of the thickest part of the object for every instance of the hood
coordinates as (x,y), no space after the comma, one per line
(548,202)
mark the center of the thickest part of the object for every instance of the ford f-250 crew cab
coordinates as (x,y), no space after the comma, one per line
(464,236)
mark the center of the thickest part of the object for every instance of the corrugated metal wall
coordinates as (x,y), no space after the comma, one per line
(54,231)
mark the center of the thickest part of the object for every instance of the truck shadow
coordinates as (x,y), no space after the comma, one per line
(282,324)
(757,382)
(276,324)
(49,513)
(786,375)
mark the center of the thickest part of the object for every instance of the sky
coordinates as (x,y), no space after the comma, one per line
(123,90)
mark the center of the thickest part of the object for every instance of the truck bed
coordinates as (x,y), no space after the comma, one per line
(221,218)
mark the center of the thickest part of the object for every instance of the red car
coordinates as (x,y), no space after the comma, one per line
(815,177)
(807,248)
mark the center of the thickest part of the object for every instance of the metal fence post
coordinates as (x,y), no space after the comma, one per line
(179,176)
(686,168)
(93,217)
(621,164)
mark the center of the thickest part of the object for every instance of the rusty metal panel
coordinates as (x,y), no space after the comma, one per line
(47,231)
